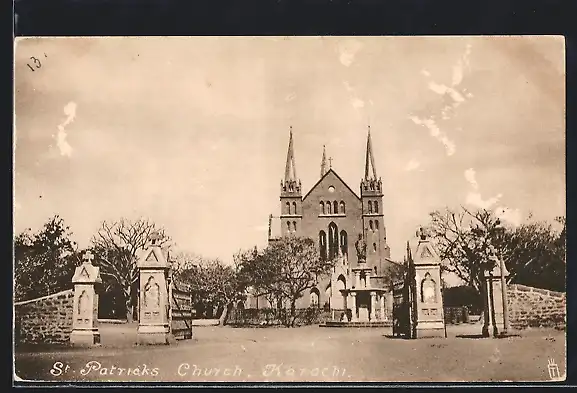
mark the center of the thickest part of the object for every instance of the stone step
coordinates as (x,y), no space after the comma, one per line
(357,324)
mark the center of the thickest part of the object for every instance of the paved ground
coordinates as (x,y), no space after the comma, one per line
(302,354)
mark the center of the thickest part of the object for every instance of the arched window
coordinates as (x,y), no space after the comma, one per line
(294,226)
(333,240)
(294,208)
(323,245)
(288,226)
(376,204)
(335,207)
(343,207)
(344,243)
(329,207)
(288,208)
(370,207)
(375,247)
(376,225)
(375,270)
(322,207)
(371,225)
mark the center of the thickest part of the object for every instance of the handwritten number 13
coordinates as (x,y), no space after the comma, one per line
(36,63)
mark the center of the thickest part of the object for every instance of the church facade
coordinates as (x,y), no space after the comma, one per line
(334,216)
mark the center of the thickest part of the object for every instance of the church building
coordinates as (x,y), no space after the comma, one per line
(334,216)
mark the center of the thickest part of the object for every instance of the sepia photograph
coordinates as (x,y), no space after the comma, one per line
(338,209)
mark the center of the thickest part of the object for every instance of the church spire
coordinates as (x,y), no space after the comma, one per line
(324,162)
(291,186)
(290,172)
(370,160)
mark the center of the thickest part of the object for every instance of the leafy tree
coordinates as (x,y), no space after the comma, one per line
(463,240)
(212,281)
(286,268)
(533,253)
(44,261)
(116,246)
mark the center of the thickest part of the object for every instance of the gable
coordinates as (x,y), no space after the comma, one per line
(331,180)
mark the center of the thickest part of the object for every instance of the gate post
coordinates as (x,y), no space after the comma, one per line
(85,307)
(430,321)
(153,323)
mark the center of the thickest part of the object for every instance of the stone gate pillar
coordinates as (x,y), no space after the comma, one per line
(153,323)
(85,305)
(430,321)
(494,296)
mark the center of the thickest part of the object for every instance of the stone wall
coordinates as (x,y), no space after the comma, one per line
(535,307)
(46,320)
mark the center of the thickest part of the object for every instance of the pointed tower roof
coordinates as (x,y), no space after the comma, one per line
(290,172)
(370,160)
(324,162)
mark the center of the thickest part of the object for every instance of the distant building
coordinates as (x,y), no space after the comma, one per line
(333,215)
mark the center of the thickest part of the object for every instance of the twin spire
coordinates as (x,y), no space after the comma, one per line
(370,160)
(290,174)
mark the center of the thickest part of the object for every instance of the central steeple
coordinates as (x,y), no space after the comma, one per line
(324,162)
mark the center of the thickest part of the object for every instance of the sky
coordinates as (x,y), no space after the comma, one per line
(192,132)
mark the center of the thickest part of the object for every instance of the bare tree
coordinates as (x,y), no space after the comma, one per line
(117,246)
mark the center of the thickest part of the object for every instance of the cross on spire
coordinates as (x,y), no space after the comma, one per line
(88,257)
(330,162)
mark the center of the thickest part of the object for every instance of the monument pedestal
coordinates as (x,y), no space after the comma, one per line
(152,335)
(85,338)
(430,329)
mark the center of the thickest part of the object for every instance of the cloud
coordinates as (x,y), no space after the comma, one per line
(435,132)
(347,86)
(62,143)
(475,199)
(290,97)
(412,165)
(444,89)
(455,96)
(357,103)
(460,66)
(470,176)
(347,51)
(511,216)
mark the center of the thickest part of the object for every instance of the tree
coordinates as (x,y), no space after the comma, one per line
(211,280)
(44,261)
(116,246)
(463,239)
(286,268)
(533,253)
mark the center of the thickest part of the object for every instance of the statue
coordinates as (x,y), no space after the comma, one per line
(428,290)
(361,247)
